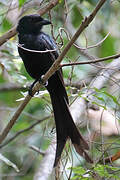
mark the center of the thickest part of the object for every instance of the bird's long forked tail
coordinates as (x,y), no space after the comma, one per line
(66,128)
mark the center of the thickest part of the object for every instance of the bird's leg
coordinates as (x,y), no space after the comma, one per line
(30,88)
(42,82)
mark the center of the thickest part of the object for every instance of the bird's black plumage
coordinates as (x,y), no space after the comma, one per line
(37,64)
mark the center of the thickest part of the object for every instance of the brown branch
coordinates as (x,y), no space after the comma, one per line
(12,32)
(91,61)
(23,130)
(93,46)
(108,159)
(112,158)
(99,43)
(48,7)
(36,149)
(14,118)
(53,68)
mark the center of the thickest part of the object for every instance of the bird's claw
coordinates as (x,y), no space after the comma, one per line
(42,82)
(32,85)
(30,88)
(30,91)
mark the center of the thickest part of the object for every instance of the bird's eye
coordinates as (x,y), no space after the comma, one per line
(33,20)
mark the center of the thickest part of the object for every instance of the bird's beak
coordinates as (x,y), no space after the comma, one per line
(45,22)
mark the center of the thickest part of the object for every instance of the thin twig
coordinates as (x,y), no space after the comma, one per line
(87,47)
(36,149)
(23,130)
(92,46)
(91,61)
(99,43)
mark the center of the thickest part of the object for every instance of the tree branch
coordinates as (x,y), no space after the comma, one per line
(104,76)
(91,61)
(23,130)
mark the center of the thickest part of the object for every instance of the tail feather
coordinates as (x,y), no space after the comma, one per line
(59,150)
(66,128)
(82,152)
(73,132)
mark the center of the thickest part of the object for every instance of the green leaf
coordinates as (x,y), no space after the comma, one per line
(8,162)
(80,173)
(99,98)
(99,105)
(107,94)
(6,25)
(107,47)
(99,90)
(21,2)
(112,97)
(106,171)
(76,17)
(101,170)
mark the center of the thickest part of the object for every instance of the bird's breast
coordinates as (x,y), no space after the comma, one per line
(35,63)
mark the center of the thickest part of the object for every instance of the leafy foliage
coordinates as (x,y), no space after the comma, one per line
(102,171)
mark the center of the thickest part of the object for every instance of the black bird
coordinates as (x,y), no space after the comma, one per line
(37,64)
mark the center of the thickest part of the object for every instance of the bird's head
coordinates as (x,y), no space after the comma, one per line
(31,24)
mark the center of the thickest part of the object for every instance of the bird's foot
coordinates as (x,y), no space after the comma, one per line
(42,82)
(31,87)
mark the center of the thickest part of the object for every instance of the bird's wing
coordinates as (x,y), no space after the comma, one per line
(50,45)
